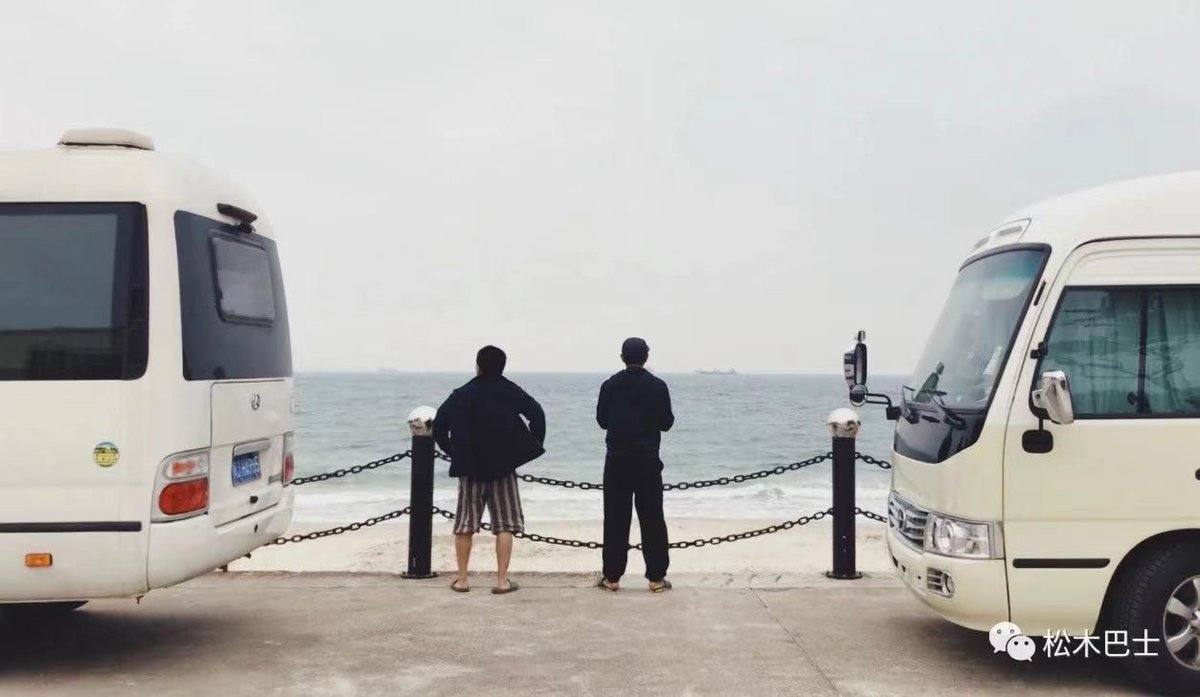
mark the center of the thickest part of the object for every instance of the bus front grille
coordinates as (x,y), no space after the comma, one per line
(908,520)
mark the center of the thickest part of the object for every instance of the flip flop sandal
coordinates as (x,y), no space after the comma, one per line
(512,588)
(457,588)
(665,586)
(602,584)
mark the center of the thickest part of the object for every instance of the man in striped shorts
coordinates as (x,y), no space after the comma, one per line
(489,427)
(499,496)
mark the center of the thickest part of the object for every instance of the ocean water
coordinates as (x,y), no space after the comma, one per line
(725,425)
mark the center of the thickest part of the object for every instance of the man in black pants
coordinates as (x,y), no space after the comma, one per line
(635,408)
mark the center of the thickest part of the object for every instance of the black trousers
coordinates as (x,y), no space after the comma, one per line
(634,482)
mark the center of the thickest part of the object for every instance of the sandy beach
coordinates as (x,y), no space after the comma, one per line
(763,560)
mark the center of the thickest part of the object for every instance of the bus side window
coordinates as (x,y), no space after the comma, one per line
(1128,351)
(1171,383)
(1093,338)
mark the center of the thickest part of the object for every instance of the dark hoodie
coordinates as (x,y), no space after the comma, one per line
(635,408)
(480,427)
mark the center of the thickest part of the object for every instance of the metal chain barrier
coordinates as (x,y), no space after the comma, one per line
(870,516)
(343,528)
(881,464)
(586,544)
(591,544)
(702,542)
(682,486)
(350,470)
(586,486)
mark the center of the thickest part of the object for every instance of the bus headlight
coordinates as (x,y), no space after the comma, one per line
(954,537)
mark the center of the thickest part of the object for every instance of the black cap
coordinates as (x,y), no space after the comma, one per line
(635,351)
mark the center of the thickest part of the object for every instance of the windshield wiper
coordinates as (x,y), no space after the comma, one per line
(952,417)
(936,398)
(929,384)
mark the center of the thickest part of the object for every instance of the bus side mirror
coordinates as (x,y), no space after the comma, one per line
(1053,398)
(854,369)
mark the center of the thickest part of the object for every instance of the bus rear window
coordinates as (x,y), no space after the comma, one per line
(232,306)
(73,301)
(244,287)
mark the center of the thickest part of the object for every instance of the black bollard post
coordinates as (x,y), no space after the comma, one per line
(420,519)
(843,426)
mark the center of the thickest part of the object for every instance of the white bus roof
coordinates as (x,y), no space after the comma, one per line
(115,165)
(1161,206)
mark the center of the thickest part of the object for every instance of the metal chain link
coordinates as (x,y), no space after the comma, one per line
(550,481)
(350,470)
(870,515)
(738,536)
(701,542)
(343,528)
(739,478)
(881,464)
(684,486)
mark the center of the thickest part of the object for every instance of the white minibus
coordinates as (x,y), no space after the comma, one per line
(146,401)
(1046,458)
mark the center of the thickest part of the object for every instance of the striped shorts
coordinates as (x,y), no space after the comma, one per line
(501,498)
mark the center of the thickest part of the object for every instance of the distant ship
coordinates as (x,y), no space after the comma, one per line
(717,371)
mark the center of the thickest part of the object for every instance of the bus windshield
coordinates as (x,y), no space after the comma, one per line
(974,333)
(72,291)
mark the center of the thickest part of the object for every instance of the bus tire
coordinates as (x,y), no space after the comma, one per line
(1141,598)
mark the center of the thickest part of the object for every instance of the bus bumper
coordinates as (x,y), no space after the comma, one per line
(184,549)
(980,597)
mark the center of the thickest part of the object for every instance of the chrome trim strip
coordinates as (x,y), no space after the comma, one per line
(256,446)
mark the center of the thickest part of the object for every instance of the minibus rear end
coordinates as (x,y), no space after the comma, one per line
(145,373)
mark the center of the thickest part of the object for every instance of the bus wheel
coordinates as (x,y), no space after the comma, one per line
(1160,597)
(30,610)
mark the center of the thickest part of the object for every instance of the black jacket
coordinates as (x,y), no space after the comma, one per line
(635,408)
(480,427)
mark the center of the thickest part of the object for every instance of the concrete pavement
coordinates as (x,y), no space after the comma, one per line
(357,634)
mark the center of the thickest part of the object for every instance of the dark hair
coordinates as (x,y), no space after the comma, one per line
(635,351)
(491,361)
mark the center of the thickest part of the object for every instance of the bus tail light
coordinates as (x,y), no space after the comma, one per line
(179,498)
(289,458)
(182,486)
(185,466)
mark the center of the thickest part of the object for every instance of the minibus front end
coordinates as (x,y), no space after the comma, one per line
(953,564)
(945,536)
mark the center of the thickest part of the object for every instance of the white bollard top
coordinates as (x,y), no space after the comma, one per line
(843,423)
(420,421)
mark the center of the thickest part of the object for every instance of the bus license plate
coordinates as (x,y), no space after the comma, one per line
(246,468)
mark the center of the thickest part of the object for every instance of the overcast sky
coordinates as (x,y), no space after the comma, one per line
(742,183)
